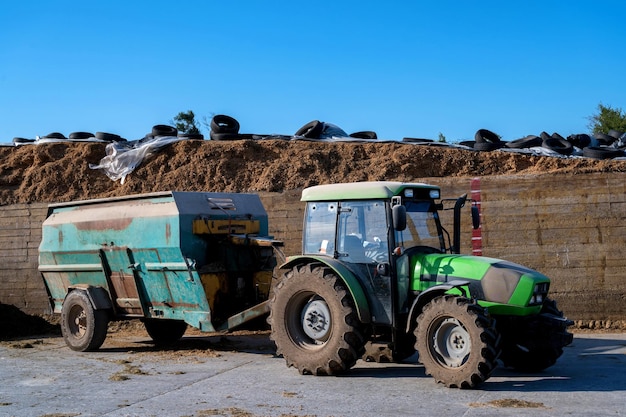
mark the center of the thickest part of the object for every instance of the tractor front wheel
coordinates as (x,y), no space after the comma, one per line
(314,321)
(456,341)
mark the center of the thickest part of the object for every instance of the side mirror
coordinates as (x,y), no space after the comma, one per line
(475,217)
(398,213)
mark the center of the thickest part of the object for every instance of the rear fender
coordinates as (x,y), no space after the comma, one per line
(426,296)
(98,296)
(351,281)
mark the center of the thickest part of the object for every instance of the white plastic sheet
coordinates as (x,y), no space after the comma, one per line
(123,157)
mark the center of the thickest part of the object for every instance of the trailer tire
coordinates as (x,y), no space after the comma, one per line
(163,331)
(456,341)
(314,321)
(83,327)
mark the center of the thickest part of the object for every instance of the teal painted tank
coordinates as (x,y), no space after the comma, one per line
(199,257)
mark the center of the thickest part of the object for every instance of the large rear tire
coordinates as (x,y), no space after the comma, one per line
(314,321)
(456,341)
(83,327)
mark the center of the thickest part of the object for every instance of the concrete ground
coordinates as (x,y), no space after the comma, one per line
(240,376)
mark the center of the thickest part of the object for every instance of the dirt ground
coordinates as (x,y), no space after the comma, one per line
(58,172)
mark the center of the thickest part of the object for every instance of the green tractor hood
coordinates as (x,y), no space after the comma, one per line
(491,281)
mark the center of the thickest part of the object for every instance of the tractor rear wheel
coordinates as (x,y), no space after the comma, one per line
(314,321)
(456,341)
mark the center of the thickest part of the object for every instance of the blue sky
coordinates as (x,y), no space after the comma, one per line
(405,68)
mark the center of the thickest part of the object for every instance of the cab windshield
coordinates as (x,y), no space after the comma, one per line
(422,227)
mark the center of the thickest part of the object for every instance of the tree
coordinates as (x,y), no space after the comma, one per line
(607,119)
(185,122)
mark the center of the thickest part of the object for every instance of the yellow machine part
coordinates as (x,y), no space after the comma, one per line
(262,280)
(214,283)
(225,226)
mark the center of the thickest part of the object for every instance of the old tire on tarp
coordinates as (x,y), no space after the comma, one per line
(83,327)
(81,135)
(191,135)
(224,136)
(529,141)
(55,135)
(560,146)
(417,140)
(222,123)
(22,140)
(580,140)
(604,139)
(109,137)
(314,321)
(164,130)
(365,134)
(602,152)
(163,331)
(487,146)
(485,135)
(311,130)
(456,341)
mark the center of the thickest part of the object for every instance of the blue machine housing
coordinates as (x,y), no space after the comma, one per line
(144,251)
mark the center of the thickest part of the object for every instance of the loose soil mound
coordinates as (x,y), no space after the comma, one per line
(15,324)
(58,172)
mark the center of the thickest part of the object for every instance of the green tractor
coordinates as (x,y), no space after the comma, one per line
(379,278)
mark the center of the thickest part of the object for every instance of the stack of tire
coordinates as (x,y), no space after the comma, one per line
(224,128)
(486,140)
(606,146)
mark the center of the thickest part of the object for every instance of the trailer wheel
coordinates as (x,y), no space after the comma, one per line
(537,344)
(456,342)
(83,327)
(163,331)
(314,321)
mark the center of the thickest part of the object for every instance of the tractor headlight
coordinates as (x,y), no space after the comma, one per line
(540,292)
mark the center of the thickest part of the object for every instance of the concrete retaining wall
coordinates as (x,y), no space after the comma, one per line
(568,227)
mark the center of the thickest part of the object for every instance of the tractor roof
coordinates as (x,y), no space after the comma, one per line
(360,190)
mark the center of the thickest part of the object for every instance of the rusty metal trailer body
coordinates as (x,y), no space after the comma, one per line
(203,259)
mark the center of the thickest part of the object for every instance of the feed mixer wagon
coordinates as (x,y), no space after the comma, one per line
(170,259)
